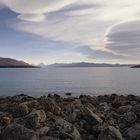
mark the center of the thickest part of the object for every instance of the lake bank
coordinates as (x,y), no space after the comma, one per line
(103,117)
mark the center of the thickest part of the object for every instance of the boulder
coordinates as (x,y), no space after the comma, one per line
(64,130)
(35,118)
(18,132)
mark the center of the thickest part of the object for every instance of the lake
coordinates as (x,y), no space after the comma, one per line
(93,81)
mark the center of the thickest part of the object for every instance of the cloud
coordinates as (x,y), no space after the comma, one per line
(123,38)
(98,54)
(34,9)
(106,28)
(32,17)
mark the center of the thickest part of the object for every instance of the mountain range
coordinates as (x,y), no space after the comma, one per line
(86,64)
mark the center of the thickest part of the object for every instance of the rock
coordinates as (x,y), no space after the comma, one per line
(124,109)
(136,110)
(18,132)
(76,134)
(129,117)
(133,133)
(6,121)
(1,113)
(64,130)
(110,133)
(91,117)
(57,96)
(68,94)
(20,110)
(86,100)
(42,131)
(119,101)
(106,117)
(50,105)
(48,138)
(104,107)
(103,98)
(35,118)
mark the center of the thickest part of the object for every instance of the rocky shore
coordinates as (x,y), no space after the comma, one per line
(106,117)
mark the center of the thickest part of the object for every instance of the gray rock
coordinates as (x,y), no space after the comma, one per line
(48,138)
(35,118)
(124,109)
(91,117)
(20,110)
(104,107)
(133,133)
(110,133)
(64,130)
(42,131)
(129,117)
(50,105)
(18,132)
(136,110)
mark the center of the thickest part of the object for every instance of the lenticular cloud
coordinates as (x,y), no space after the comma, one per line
(34,10)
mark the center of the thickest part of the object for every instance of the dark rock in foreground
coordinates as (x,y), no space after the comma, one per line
(107,117)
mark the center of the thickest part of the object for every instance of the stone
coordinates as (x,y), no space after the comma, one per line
(128,117)
(110,133)
(6,121)
(64,130)
(18,132)
(20,110)
(48,138)
(35,118)
(50,105)
(76,134)
(42,131)
(68,94)
(104,107)
(136,110)
(119,101)
(133,133)
(91,117)
(124,109)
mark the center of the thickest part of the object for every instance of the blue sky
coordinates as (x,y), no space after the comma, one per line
(70,31)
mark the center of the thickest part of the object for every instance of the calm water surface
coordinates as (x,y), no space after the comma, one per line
(78,81)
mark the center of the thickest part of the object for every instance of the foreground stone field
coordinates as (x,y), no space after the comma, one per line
(107,117)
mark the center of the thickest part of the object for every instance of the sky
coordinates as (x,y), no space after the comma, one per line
(65,31)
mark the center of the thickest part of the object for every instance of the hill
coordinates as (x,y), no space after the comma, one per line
(86,64)
(12,63)
(136,66)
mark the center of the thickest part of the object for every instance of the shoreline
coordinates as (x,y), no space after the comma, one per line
(52,117)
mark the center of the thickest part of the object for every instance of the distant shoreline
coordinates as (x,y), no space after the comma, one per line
(20,67)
